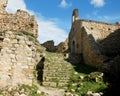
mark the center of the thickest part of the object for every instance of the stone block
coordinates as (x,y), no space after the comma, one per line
(16,61)
(14,41)
(9,51)
(53,84)
(46,83)
(7,40)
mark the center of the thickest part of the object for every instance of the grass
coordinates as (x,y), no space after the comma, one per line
(28,90)
(31,90)
(86,78)
(30,36)
(21,33)
(1,91)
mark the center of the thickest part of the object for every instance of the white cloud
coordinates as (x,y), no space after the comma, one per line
(98,3)
(64,4)
(103,18)
(14,5)
(48,29)
(109,18)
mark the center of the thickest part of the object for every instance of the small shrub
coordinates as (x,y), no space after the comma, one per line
(1,91)
(19,33)
(31,90)
(91,80)
(31,38)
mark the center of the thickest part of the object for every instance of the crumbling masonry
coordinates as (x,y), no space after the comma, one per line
(17,51)
(20,21)
(90,39)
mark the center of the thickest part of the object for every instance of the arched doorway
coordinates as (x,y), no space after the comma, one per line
(73,47)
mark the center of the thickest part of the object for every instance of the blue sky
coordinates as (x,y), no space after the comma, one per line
(54,16)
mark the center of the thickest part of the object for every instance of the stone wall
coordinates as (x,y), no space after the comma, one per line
(99,30)
(49,45)
(18,56)
(17,59)
(85,38)
(75,35)
(62,47)
(90,50)
(110,46)
(21,21)
(3,4)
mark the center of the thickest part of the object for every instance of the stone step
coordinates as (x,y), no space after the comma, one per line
(56,71)
(55,84)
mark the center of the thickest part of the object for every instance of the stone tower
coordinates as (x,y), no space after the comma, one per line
(3,5)
(75,15)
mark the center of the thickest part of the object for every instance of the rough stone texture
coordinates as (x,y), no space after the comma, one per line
(18,54)
(85,38)
(20,21)
(90,51)
(56,71)
(110,46)
(62,47)
(17,59)
(49,45)
(3,4)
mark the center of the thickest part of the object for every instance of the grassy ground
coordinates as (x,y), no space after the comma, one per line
(86,78)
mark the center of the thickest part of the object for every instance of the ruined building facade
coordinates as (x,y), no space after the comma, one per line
(17,50)
(87,38)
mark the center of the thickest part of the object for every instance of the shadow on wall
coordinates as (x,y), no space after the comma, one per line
(94,44)
(110,48)
(39,68)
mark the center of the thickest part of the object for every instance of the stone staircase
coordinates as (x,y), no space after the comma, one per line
(56,71)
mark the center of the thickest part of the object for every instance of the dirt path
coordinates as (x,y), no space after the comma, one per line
(52,92)
(49,91)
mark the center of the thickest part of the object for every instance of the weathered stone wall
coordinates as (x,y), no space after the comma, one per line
(85,37)
(21,21)
(99,30)
(75,35)
(49,45)
(90,50)
(95,33)
(3,4)
(62,47)
(17,59)
(110,46)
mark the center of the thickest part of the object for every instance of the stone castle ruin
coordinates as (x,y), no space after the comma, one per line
(20,21)
(17,51)
(93,40)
